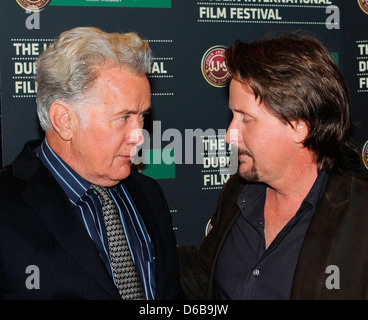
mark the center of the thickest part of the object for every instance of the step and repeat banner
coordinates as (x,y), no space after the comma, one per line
(187,151)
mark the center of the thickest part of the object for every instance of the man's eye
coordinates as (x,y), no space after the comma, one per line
(247,119)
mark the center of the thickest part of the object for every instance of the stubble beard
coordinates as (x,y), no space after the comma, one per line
(250,175)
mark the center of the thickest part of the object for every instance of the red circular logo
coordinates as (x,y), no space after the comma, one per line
(213,67)
(365,154)
(363,4)
(33,5)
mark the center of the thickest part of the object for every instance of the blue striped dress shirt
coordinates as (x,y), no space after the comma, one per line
(88,207)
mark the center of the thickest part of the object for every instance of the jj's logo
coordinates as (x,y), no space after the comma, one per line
(216,66)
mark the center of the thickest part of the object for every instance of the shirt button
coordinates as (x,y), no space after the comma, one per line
(256,272)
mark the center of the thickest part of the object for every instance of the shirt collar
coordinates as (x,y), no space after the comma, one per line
(318,188)
(251,200)
(72,183)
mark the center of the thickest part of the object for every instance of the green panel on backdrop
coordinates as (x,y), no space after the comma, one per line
(154,165)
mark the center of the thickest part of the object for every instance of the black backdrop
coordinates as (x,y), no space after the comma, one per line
(180,33)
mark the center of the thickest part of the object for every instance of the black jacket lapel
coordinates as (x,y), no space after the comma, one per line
(320,240)
(139,196)
(46,198)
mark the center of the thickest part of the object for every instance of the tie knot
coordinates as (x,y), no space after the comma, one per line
(102,192)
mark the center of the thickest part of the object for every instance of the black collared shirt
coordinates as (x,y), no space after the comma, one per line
(246,270)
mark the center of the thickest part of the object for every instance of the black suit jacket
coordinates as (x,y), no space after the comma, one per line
(38,227)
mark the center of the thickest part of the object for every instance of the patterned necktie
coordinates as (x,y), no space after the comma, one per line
(125,273)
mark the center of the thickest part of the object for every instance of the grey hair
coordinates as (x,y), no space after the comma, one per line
(71,64)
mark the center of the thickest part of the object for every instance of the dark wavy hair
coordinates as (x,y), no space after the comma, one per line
(296,77)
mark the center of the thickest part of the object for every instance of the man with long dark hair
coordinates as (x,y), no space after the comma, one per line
(292,223)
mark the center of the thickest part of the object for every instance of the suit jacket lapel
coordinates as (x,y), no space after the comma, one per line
(142,203)
(320,240)
(149,218)
(227,211)
(47,199)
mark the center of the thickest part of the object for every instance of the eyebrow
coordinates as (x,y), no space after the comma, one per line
(148,110)
(239,110)
(235,109)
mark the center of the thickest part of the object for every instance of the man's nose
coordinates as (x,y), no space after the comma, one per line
(136,136)
(232,134)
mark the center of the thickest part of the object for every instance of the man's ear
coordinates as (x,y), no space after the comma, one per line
(61,117)
(301,130)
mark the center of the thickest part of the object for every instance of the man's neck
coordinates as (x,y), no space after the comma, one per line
(295,187)
(282,202)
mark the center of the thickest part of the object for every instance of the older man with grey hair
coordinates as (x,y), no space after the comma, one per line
(76,221)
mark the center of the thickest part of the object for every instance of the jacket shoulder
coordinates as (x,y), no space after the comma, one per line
(361,180)
(140,182)
(6,172)
(141,178)
(359,189)
(355,184)
(8,183)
